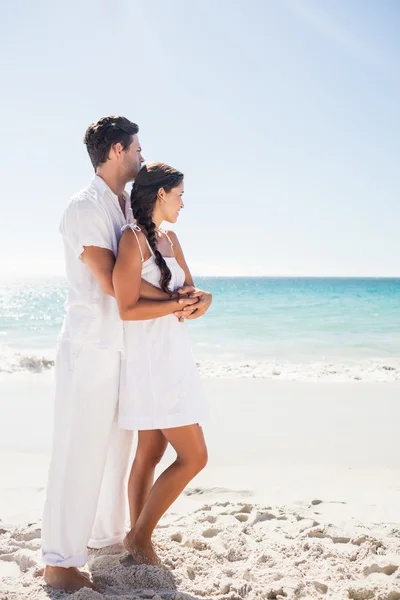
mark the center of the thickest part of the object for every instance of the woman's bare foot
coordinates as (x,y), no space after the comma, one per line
(69,579)
(143,554)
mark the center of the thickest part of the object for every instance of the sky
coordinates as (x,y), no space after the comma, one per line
(283,115)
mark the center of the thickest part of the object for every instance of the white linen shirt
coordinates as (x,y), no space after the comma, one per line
(93,217)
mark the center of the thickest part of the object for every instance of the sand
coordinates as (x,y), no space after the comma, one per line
(301,499)
(230,550)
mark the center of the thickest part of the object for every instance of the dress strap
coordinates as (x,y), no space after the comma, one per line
(171,243)
(135,228)
(148,245)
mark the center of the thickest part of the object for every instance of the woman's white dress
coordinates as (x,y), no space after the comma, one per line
(159,386)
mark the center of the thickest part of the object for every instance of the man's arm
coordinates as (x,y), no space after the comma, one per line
(101,262)
(151,292)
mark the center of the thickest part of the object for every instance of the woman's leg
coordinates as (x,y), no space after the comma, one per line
(151,447)
(190,446)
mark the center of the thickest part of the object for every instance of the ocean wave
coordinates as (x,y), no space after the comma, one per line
(16,362)
(361,370)
(380,370)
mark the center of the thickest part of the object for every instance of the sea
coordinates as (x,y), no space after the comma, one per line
(337,329)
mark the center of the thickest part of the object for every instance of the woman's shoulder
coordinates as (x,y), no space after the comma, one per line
(171,235)
(131,230)
(132,235)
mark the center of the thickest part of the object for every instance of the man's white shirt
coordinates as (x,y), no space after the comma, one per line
(93,217)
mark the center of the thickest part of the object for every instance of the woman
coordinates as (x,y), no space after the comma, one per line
(160,389)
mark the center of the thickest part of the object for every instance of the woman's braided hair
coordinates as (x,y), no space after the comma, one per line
(150,180)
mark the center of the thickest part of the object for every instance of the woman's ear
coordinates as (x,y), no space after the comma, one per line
(161,195)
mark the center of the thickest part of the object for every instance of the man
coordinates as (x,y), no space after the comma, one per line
(85,502)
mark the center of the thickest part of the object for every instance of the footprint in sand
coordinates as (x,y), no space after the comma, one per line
(242,514)
(244,590)
(388,569)
(362,592)
(366,539)
(210,533)
(247,508)
(263,516)
(323,534)
(28,545)
(242,517)
(222,504)
(320,587)
(236,555)
(275,594)
(196,545)
(27,536)
(210,519)
(191,573)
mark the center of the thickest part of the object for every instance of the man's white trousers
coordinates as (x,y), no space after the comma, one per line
(86,491)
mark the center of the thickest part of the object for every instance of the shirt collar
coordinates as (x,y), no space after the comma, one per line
(103,189)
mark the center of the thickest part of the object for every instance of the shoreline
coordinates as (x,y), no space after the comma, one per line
(350,370)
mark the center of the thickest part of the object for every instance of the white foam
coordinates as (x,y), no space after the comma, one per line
(378,369)
(364,370)
(14,362)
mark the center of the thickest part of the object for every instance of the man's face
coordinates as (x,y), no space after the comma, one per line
(132,159)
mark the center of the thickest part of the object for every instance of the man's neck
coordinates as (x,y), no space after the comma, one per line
(114,183)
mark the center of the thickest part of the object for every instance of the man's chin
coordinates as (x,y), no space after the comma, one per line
(132,176)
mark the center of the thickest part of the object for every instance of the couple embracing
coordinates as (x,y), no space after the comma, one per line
(123,361)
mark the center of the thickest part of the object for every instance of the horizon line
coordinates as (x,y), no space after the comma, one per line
(9,276)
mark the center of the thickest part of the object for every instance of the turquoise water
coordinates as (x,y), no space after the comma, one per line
(297,320)
(297,317)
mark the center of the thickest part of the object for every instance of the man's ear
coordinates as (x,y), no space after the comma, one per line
(116,150)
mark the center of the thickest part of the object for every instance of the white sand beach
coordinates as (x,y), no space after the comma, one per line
(301,498)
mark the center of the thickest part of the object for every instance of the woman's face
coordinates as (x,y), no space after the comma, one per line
(171,203)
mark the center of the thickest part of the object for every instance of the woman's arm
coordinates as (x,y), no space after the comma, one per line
(180,258)
(205,298)
(127,284)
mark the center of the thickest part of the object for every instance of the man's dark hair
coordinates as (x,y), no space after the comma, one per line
(107,131)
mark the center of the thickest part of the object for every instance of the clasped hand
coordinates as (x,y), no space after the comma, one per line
(196,309)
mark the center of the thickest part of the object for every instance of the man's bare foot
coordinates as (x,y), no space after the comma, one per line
(69,579)
(143,554)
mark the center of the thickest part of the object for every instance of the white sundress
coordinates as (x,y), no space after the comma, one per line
(160,386)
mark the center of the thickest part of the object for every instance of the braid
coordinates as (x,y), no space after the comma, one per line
(144,193)
(143,217)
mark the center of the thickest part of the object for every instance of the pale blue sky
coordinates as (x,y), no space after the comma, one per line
(283,114)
